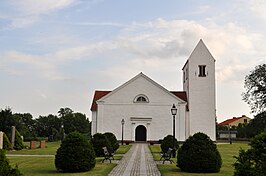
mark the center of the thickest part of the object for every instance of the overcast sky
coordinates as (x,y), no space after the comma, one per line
(54,54)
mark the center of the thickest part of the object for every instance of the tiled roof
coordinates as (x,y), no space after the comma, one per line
(180,94)
(99,94)
(228,121)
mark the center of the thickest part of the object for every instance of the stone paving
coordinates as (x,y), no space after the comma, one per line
(138,161)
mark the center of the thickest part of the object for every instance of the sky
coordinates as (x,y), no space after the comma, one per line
(55,54)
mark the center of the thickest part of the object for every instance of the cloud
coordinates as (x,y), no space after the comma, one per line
(27,12)
(258,8)
(82,51)
(21,64)
(151,46)
(169,40)
(32,7)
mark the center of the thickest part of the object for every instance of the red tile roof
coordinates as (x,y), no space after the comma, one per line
(99,94)
(180,94)
(228,121)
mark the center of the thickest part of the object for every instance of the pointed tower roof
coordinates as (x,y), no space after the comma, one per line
(200,50)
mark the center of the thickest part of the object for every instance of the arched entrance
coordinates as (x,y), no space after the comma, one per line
(141,133)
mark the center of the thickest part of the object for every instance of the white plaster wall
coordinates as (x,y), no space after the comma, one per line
(93,122)
(202,93)
(120,105)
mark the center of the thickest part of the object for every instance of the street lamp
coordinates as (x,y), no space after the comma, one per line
(229,134)
(122,122)
(63,132)
(174,112)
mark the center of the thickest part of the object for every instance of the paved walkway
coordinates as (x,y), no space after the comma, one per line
(138,161)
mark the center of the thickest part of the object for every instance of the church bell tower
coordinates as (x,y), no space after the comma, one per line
(199,84)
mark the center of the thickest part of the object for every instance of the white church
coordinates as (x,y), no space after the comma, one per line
(146,106)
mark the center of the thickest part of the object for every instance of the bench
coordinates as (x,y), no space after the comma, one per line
(167,156)
(107,155)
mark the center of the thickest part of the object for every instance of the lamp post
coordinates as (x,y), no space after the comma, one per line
(229,134)
(174,112)
(122,122)
(63,132)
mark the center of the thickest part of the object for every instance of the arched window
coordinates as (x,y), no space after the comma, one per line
(141,99)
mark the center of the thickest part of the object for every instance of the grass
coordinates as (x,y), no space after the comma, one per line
(44,165)
(41,166)
(50,149)
(123,149)
(227,152)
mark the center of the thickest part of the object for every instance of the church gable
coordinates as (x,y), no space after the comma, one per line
(140,89)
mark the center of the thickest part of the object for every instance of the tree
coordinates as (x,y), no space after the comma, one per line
(6,120)
(257,125)
(64,111)
(253,161)
(76,122)
(47,126)
(255,84)
(75,154)
(26,125)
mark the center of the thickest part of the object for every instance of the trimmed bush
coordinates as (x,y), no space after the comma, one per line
(99,141)
(253,161)
(6,142)
(75,154)
(199,154)
(18,145)
(113,141)
(167,143)
(5,168)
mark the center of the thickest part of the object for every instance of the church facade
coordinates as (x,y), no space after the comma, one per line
(145,106)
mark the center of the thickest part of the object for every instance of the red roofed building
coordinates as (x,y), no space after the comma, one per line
(235,121)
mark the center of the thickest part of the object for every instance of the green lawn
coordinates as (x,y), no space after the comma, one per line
(50,149)
(44,165)
(123,149)
(227,152)
(41,166)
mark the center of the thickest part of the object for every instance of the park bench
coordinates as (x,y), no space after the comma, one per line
(107,155)
(167,156)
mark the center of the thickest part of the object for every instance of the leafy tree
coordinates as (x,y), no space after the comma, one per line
(257,125)
(242,130)
(26,125)
(76,122)
(199,154)
(75,154)
(253,161)
(48,125)
(64,111)
(6,120)
(255,84)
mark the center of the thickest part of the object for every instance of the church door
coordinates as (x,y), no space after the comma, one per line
(140,133)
